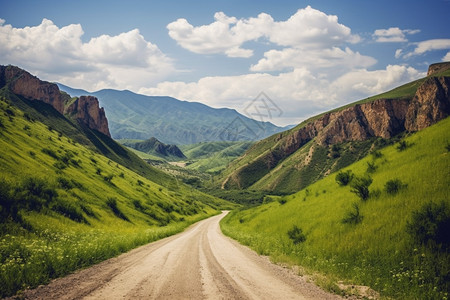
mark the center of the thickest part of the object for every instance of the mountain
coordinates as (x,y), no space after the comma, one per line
(291,160)
(70,196)
(394,244)
(155,147)
(171,121)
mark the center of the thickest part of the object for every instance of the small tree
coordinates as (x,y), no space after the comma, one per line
(393,186)
(360,186)
(353,216)
(296,235)
(431,225)
(344,178)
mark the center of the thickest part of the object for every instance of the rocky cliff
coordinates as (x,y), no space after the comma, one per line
(383,118)
(24,84)
(86,110)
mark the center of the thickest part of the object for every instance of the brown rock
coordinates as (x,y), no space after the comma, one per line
(437,68)
(86,110)
(430,104)
(30,87)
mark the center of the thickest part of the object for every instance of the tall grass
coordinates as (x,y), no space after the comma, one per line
(377,250)
(55,216)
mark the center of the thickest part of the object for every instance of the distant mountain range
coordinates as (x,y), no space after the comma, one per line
(172,121)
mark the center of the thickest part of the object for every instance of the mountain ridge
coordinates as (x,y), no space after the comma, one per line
(378,118)
(173,121)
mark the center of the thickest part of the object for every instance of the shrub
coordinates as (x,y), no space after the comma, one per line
(281,200)
(64,183)
(360,186)
(371,167)
(353,216)
(112,203)
(98,171)
(69,210)
(344,178)
(403,145)
(108,178)
(140,182)
(49,152)
(447,147)
(296,235)
(430,225)
(377,154)
(35,193)
(393,186)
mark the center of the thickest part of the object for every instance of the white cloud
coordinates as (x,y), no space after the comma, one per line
(429,45)
(219,37)
(58,54)
(393,34)
(311,28)
(446,57)
(326,58)
(299,93)
(308,28)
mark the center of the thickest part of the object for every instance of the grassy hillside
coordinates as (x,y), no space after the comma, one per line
(213,157)
(265,167)
(66,201)
(395,240)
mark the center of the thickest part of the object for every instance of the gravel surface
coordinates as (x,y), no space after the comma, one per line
(200,263)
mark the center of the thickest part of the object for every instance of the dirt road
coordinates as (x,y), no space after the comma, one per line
(200,263)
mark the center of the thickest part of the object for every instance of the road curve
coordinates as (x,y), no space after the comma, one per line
(199,263)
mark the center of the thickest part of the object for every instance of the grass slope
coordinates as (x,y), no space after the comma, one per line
(250,171)
(364,242)
(64,205)
(213,157)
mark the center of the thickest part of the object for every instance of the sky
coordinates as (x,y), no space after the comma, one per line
(306,57)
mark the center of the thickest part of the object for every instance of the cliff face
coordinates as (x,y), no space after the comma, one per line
(430,104)
(86,110)
(30,87)
(383,118)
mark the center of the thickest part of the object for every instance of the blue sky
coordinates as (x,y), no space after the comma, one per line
(307,56)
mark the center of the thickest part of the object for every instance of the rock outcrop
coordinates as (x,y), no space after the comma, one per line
(383,118)
(86,110)
(24,84)
(437,68)
(430,104)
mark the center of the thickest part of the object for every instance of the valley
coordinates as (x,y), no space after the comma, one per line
(354,199)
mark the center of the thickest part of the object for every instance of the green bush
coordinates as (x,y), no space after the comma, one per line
(360,186)
(353,216)
(69,210)
(344,178)
(371,167)
(296,235)
(112,203)
(430,225)
(393,186)
(403,145)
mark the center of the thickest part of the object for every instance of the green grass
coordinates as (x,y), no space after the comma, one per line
(373,248)
(267,166)
(64,205)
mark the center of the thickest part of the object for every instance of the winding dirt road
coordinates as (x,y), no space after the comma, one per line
(200,263)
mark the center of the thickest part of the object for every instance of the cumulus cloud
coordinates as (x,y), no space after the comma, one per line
(125,61)
(429,45)
(307,28)
(299,93)
(325,58)
(393,34)
(446,57)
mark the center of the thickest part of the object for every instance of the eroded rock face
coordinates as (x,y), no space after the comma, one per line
(30,87)
(86,110)
(430,104)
